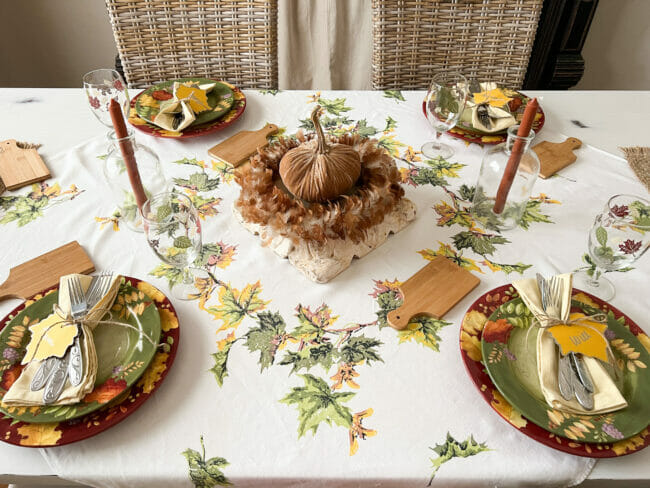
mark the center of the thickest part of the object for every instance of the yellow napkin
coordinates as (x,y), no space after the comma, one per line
(607,398)
(20,393)
(497,106)
(179,112)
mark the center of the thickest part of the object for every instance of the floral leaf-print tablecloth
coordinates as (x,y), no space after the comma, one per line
(280,381)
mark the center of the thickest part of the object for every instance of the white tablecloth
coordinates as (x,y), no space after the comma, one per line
(412,399)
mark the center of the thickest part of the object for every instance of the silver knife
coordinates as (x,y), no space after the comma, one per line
(75,365)
(564,374)
(56,381)
(584,397)
(42,374)
(541,284)
(583,373)
(483,115)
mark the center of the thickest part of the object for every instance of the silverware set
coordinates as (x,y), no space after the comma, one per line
(54,371)
(573,377)
(483,115)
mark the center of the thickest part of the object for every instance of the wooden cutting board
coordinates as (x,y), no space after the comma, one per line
(432,291)
(20,167)
(44,271)
(237,149)
(553,156)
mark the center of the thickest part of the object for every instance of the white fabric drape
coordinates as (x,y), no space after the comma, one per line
(325,44)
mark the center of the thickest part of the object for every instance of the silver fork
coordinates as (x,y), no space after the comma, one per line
(97,289)
(59,375)
(563,374)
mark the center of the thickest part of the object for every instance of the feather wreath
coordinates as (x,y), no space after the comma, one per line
(264,200)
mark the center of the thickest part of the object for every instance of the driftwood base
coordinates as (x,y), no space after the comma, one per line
(322,262)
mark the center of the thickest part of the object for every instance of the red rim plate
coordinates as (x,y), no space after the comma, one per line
(486,304)
(67,432)
(200,130)
(468,136)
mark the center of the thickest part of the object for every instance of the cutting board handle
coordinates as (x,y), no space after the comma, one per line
(269,129)
(8,288)
(400,317)
(572,143)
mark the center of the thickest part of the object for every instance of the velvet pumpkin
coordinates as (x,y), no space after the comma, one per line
(317,171)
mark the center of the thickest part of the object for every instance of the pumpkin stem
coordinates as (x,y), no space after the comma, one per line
(322,147)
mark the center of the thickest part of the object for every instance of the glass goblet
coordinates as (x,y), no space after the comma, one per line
(103,85)
(444,104)
(620,235)
(173,231)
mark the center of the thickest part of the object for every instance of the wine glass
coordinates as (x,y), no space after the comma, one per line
(173,231)
(103,85)
(620,235)
(444,104)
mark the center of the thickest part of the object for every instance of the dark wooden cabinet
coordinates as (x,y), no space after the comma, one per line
(556,61)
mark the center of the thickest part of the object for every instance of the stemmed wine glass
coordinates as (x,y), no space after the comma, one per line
(620,235)
(103,85)
(444,104)
(173,231)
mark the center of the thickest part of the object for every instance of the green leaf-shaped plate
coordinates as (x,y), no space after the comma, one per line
(221,99)
(122,355)
(511,361)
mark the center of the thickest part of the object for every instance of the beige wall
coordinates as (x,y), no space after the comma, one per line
(617,49)
(54,42)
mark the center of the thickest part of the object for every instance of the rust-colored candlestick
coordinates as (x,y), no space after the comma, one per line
(515,156)
(126,148)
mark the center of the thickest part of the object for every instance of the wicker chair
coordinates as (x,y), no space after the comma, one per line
(482,39)
(224,39)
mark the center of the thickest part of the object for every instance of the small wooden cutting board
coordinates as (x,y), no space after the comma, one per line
(237,149)
(20,167)
(432,291)
(553,156)
(44,271)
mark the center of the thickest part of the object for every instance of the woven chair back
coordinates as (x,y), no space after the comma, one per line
(234,40)
(485,40)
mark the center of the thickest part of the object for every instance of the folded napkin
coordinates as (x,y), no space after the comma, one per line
(607,398)
(179,112)
(495,102)
(20,393)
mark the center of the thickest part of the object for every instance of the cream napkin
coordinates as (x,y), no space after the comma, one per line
(500,119)
(178,113)
(20,393)
(607,398)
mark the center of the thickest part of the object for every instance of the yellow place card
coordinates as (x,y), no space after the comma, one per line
(584,337)
(495,97)
(197,98)
(49,338)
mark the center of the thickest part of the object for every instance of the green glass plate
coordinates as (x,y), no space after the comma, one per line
(221,99)
(122,355)
(511,361)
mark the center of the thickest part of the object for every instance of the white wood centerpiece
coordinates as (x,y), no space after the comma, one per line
(320,202)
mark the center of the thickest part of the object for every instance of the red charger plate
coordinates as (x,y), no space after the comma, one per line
(486,139)
(193,131)
(67,432)
(486,304)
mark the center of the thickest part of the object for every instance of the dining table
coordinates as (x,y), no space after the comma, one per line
(280,381)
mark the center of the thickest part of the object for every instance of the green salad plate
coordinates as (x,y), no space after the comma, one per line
(123,354)
(509,355)
(220,99)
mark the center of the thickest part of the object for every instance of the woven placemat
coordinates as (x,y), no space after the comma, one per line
(639,159)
